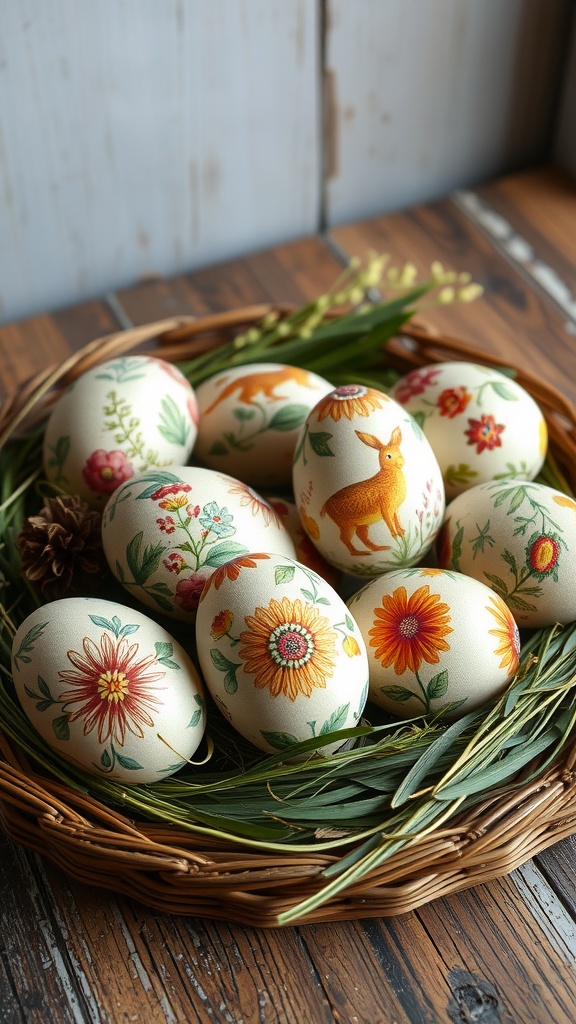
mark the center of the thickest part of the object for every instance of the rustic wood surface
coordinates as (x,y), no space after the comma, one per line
(500,953)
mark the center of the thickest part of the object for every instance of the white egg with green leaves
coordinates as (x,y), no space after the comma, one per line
(250,417)
(280,653)
(108,689)
(165,532)
(117,419)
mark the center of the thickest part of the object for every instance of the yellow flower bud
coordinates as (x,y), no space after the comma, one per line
(408,275)
(269,320)
(470,292)
(356,296)
(350,646)
(446,296)
(437,270)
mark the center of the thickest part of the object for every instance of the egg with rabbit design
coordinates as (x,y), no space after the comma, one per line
(367,484)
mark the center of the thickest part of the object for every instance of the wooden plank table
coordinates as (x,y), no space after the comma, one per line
(500,953)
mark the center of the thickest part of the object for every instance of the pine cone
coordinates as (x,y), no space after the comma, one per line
(61,548)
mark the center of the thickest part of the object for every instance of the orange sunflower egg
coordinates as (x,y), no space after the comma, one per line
(280,653)
(437,641)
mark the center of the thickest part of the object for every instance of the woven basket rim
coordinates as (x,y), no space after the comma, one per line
(180,872)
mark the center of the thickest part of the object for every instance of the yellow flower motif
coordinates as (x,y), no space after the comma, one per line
(564,501)
(288,647)
(543,437)
(309,524)
(507,635)
(348,401)
(221,623)
(350,646)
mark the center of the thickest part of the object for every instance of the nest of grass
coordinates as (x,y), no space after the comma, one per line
(405,813)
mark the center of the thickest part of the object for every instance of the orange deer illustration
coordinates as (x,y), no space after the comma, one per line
(261,383)
(355,507)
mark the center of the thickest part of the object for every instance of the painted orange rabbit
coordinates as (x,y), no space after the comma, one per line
(253,384)
(354,508)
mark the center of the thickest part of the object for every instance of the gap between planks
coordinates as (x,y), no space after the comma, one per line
(518,252)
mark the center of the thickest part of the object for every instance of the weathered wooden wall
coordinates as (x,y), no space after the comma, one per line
(565,143)
(140,137)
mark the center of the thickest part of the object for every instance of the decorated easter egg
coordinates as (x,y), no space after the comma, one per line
(165,532)
(519,538)
(280,652)
(438,642)
(108,689)
(120,418)
(480,423)
(367,484)
(250,417)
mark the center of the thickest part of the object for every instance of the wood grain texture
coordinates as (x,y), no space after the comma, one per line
(565,140)
(511,319)
(139,137)
(531,219)
(427,97)
(292,273)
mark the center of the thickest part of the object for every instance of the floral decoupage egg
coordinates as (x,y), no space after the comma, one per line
(108,689)
(436,641)
(367,484)
(280,653)
(480,423)
(165,532)
(119,418)
(250,417)
(519,538)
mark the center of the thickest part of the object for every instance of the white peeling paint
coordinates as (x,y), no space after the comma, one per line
(94,1009)
(52,956)
(519,251)
(141,972)
(553,918)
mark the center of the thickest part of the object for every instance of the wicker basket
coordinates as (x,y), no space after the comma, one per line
(185,873)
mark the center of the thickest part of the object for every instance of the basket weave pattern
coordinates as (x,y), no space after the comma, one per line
(173,870)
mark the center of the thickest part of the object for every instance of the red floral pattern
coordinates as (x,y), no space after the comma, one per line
(113,691)
(105,471)
(453,401)
(484,433)
(415,383)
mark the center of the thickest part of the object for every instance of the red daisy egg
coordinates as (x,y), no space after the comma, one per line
(108,689)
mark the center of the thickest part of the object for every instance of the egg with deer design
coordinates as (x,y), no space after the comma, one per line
(366,482)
